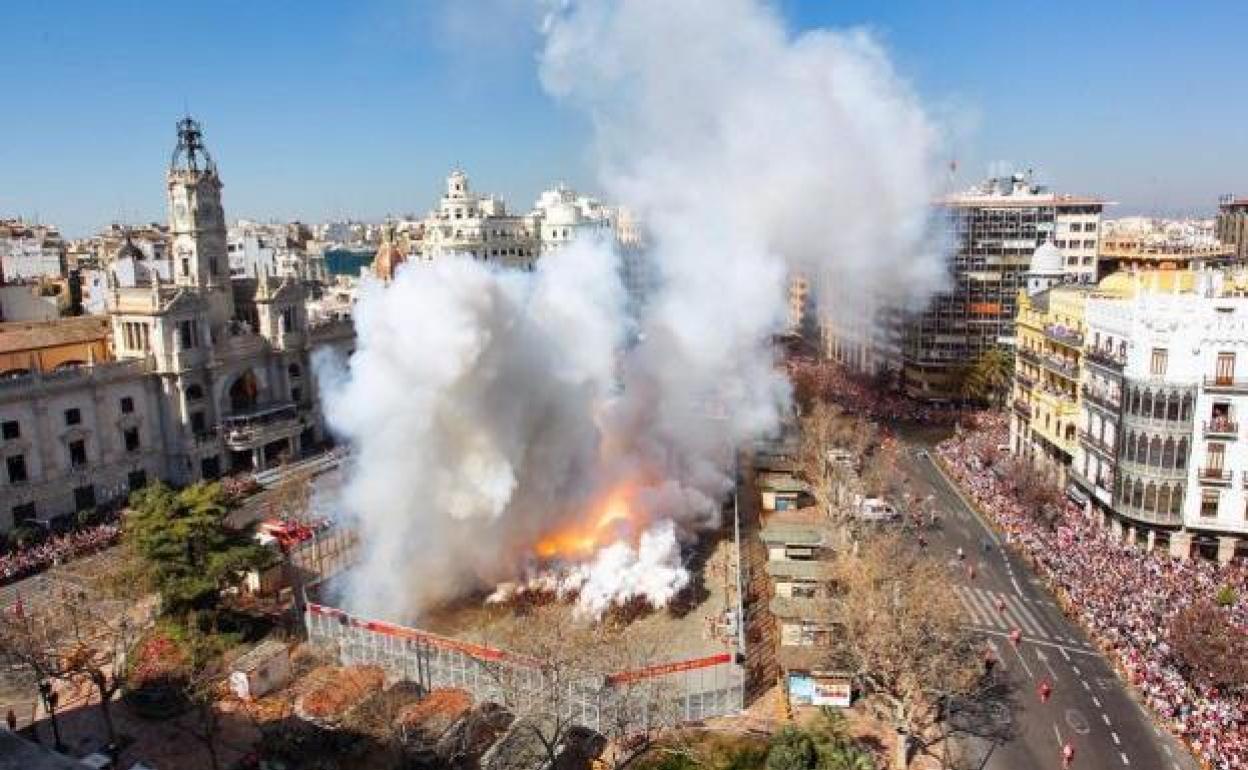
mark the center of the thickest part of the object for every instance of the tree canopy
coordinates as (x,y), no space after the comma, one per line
(187,549)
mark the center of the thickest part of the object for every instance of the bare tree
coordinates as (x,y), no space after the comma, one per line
(202,689)
(903,639)
(556,662)
(76,636)
(290,498)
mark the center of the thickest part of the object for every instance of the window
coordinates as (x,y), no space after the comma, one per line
(73,416)
(136,480)
(131,438)
(294,371)
(1209,504)
(288,320)
(1215,454)
(296,395)
(803,590)
(77,453)
(210,467)
(84,498)
(16,465)
(11,430)
(1157,365)
(197,423)
(127,405)
(23,513)
(1075,227)
(1225,372)
(1089,244)
(186,266)
(194,393)
(187,337)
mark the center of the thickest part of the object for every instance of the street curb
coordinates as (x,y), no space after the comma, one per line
(1062,602)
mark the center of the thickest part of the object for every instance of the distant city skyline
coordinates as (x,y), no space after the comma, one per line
(359,110)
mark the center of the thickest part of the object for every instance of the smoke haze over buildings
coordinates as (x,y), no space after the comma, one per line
(490,411)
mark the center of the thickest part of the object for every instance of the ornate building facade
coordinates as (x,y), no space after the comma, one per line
(211,374)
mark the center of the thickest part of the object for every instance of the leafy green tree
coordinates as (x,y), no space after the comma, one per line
(186,547)
(792,749)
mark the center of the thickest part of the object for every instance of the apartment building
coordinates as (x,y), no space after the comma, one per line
(994,230)
(1162,456)
(1232,225)
(1048,365)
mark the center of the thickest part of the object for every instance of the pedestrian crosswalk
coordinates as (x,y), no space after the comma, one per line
(1005,612)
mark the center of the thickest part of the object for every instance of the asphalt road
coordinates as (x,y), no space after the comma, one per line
(1089,706)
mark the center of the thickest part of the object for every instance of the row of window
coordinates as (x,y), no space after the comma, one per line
(12,429)
(1088,227)
(1075,244)
(15,464)
(84,498)
(1151,497)
(1154,452)
(1162,405)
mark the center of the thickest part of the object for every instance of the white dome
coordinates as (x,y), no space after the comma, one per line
(1046,259)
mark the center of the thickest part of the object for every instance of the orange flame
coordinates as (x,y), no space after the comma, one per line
(581,539)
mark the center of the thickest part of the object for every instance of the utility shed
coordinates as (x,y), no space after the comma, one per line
(261,671)
(17,753)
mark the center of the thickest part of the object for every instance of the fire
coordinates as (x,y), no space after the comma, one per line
(603,527)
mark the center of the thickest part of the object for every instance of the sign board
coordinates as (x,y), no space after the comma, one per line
(832,692)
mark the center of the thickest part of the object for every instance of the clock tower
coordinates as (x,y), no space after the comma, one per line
(197,223)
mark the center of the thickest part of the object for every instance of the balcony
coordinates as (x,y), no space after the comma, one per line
(1030,356)
(1226,384)
(1101,398)
(1024,380)
(1107,358)
(1062,367)
(1220,428)
(258,426)
(1214,476)
(1022,409)
(1063,336)
(1092,441)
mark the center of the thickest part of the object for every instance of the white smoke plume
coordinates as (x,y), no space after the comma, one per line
(489,409)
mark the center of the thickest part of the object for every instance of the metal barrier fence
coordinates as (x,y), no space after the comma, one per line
(687,690)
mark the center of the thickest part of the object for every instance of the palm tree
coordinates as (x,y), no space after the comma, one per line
(988,379)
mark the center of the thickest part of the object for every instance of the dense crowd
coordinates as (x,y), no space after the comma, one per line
(863,396)
(1125,597)
(55,549)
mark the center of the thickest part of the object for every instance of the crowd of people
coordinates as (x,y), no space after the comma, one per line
(21,562)
(1125,597)
(863,396)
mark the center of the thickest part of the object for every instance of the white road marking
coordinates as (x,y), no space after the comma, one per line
(1105,717)
(1125,761)
(1085,684)
(1041,657)
(1115,737)
(1169,752)
(1021,620)
(1076,670)
(1058,733)
(1065,654)
(1034,619)
(1016,586)
(968,606)
(1023,660)
(1096,701)
(1075,650)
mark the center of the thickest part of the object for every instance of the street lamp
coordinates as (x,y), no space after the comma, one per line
(50,698)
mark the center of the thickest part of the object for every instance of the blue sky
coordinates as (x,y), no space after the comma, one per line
(328,108)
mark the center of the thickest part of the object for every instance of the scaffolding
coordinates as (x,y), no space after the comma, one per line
(686,690)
